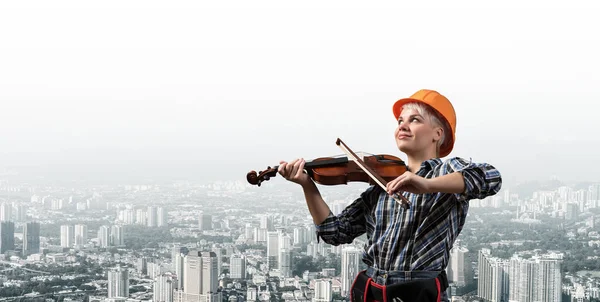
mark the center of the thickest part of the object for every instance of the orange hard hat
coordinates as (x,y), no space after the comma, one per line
(438,102)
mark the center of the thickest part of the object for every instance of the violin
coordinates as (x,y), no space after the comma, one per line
(373,169)
(332,171)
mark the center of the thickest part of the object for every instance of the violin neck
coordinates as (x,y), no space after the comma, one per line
(322,163)
(326,162)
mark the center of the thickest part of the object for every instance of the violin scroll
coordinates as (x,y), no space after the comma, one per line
(257,178)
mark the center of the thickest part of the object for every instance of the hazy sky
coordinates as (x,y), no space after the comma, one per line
(217,89)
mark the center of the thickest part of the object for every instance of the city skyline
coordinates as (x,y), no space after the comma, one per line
(267,227)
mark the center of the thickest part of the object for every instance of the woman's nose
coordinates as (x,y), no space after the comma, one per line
(402,127)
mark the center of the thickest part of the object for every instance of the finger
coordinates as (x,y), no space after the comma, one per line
(388,186)
(393,185)
(293,168)
(285,168)
(281,168)
(290,168)
(300,170)
(401,184)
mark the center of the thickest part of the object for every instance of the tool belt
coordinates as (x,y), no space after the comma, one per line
(365,289)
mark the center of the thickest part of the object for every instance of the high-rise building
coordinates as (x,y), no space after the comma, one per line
(179,267)
(522,274)
(249,232)
(116,235)
(81,237)
(299,236)
(142,265)
(457,266)
(237,269)
(549,281)
(5,211)
(141,216)
(205,222)
(525,280)
(104,236)
(67,235)
(163,288)
(218,251)
(118,283)
(177,255)
(323,292)
(178,249)
(20,213)
(31,238)
(493,275)
(266,222)
(351,259)
(161,216)
(7,236)
(273,250)
(285,263)
(201,279)
(128,216)
(152,217)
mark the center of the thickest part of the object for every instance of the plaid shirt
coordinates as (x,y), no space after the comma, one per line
(415,239)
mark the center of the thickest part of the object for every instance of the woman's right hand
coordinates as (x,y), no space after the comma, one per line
(294,171)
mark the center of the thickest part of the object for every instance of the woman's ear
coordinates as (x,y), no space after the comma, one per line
(438,134)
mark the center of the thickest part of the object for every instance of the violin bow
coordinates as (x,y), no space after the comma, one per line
(378,179)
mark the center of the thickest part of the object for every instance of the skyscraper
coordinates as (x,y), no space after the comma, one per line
(238,267)
(457,268)
(273,250)
(200,274)
(5,211)
(322,291)
(525,280)
(104,236)
(205,222)
(67,235)
(152,216)
(161,216)
(163,288)
(116,235)
(351,258)
(118,282)
(7,236)
(80,234)
(31,238)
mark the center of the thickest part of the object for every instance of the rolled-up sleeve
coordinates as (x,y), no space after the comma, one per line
(346,226)
(481,179)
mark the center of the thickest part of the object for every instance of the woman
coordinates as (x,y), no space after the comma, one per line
(411,244)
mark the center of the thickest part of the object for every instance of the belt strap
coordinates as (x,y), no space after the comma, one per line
(368,288)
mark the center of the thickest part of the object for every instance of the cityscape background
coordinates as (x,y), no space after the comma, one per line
(127,129)
(231,241)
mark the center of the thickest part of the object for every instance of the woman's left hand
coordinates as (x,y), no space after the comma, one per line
(408,182)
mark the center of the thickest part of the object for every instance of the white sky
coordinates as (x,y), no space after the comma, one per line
(221,88)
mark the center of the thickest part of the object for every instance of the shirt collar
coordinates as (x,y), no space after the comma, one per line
(429,164)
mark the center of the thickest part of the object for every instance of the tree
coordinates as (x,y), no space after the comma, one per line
(304,263)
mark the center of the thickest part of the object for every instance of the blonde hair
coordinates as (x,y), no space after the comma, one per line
(434,118)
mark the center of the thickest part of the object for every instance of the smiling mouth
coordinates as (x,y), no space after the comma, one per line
(403,136)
